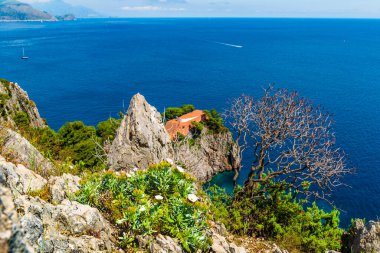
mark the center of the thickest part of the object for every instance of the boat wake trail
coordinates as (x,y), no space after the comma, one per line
(229,45)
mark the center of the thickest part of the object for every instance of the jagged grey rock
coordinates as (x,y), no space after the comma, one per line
(209,155)
(142,140)
(17,100)
(20,179)
(63,187)
(67,227)
(364,237)
(19,150)
(221,245)
(38,226)
(164,244)
(8,217)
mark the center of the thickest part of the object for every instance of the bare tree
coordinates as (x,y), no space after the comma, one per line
(292,143)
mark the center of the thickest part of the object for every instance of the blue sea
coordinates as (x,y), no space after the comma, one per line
(89,69)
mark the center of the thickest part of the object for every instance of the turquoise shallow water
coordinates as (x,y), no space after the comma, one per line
(87,70)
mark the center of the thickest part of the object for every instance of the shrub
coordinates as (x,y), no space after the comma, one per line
(21,119)
(3,99)
(174,112)
(196,129)
(106,130)
(279,217)
(214,122)
(130,202)
(79,143)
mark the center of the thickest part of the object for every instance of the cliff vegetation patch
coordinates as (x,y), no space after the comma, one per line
(160,200)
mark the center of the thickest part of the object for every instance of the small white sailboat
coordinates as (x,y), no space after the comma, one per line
(23,57)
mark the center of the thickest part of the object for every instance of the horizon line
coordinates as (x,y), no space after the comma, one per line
(227,17)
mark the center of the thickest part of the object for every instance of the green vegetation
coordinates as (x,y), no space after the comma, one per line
(44,193)
(79,142)
(106,130)
(21,119)
(75,145)
(214,122)
(174,112)
(278,217)
(148,203)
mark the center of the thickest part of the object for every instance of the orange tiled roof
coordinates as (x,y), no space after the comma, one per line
(183,124)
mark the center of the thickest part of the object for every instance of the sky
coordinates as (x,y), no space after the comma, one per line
(233,8)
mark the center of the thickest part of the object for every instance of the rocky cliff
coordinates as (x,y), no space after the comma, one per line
(362,237)
(142,140)
(14,102)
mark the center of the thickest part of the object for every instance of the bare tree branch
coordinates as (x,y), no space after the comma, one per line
(292,142)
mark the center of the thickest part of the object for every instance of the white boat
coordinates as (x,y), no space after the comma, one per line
(23,57)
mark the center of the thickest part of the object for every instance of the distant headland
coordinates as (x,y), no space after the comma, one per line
(16,11)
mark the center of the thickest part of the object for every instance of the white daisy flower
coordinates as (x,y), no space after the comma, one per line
(159,197)
(192,197)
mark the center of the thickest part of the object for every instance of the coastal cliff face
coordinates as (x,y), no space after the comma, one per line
(208,154)
(14,102)
(142,140)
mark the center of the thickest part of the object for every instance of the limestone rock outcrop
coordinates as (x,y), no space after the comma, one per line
(363,237)
(14,100)
(209,155)
(142,140)
(19,179)
(63,187)
(8,216)
(164,244)
(19,150)
(31,224)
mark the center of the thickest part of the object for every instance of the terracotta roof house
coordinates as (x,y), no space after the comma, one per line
(183,124)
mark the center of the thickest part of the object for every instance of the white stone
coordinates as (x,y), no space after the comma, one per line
(170,161)
(192,197)
(180,169)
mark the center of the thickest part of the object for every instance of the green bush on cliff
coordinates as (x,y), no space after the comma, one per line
(150,202)
(106,130)
(214,122)
(21,119)
(174,112)
(74,143)
(279,217)
(78,141)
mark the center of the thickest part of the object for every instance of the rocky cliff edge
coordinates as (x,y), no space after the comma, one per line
(142,140)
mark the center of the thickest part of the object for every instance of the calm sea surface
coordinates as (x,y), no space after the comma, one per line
(88,70)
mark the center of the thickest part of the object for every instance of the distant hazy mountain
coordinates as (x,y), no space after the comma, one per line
(15,10)
(60,8)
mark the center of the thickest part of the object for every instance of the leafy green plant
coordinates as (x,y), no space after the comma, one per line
(106,130)
(214,122)
(21,119)
(150,202)
(280,217)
